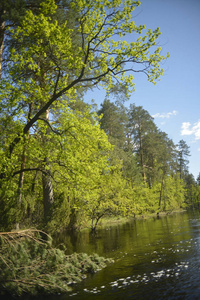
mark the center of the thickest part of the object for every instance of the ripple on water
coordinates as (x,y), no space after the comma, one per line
(144,278)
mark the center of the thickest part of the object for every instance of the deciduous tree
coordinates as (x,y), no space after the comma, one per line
(52,60)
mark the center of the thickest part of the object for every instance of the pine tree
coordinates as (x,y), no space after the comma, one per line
(183,153)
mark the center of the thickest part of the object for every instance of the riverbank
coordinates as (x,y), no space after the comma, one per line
(112,221)
(25,258)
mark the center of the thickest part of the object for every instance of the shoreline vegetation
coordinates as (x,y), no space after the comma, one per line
(112,221)
(69,165)
(30,265)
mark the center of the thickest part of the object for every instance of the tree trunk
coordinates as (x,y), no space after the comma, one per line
(20,185)
(141,155)
(161,191)
(48,197)
(23,165)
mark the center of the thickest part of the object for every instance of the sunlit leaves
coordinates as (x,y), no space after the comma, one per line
(54,59)
(49,62)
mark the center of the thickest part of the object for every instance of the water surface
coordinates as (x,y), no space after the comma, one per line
(154,259)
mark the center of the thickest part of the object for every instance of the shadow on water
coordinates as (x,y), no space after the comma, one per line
(154,259)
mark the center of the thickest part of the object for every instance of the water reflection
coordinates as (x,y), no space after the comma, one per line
(154,259)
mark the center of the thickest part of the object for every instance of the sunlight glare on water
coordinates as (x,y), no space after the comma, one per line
(154,259)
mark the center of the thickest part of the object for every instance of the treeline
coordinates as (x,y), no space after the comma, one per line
(61,166)
(150,161)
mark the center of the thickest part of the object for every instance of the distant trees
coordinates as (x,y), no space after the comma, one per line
(140,128)
(183,153)
(148,157)
(198,179)
(114,122)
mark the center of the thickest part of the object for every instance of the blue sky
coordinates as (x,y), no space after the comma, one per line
(174,101)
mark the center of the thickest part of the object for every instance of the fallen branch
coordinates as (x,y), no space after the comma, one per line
(29,264)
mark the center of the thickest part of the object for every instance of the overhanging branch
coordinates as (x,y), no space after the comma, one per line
(29,170)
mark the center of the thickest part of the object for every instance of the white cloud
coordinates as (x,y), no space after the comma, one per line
(188,129)
(165,115)
(185,128)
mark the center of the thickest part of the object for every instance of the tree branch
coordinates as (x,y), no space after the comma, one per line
(29,169)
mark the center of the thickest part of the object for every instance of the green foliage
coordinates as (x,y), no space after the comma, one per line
(44,60)
(60,164)
(78,156)
(113,122)
(183,153)
(29,264)
(111,198)
(144,152)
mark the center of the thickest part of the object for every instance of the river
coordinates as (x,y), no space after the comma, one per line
(157,258)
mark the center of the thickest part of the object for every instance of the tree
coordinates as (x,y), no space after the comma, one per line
(78,162)
(140,126)
(114,122)
(190,188)
(98,60)
(198,179)
(11,14)
(183,153)
(51,61)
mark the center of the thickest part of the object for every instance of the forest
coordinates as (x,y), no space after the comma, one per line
(65,164)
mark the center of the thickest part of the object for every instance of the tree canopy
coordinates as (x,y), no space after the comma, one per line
(61,164)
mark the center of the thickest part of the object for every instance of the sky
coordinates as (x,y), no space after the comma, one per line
(174,101)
